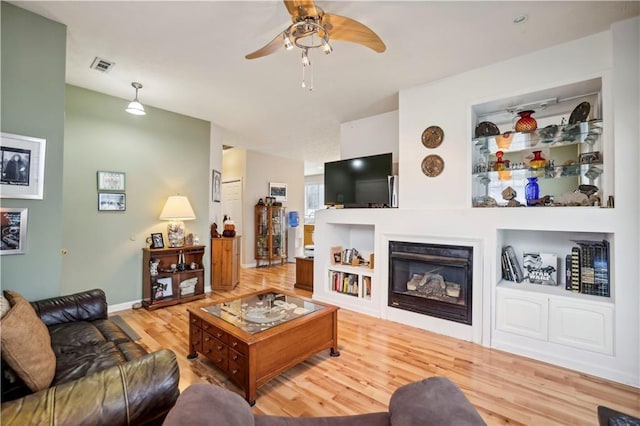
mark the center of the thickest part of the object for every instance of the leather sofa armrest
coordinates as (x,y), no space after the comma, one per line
(84,306)
(137,392)
(432,401)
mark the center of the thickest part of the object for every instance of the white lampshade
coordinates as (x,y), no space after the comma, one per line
(176,208)
(135,108)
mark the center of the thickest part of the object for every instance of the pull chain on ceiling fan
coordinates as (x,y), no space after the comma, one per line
(312,28)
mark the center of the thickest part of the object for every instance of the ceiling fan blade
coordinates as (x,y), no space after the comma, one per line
(346,29)
(274,45)
(298,8)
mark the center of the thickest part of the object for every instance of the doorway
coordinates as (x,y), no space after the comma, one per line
(232,202)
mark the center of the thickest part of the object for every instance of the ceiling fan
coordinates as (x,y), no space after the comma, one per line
(313,28)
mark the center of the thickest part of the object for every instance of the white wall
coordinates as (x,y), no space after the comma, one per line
(447,103)
(256,171)
(370,136)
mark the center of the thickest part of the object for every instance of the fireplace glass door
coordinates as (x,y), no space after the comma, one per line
(431,279)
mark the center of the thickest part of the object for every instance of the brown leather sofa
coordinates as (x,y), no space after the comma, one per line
(101,375)
(433,401)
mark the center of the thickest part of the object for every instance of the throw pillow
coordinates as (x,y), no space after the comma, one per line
(4,306)
(26,344)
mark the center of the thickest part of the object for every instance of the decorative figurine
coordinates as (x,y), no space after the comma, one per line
(153,267)
(214,231)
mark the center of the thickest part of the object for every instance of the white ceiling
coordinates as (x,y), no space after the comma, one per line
(190,58)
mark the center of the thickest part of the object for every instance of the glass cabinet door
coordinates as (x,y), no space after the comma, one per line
(278,242)
(262,232)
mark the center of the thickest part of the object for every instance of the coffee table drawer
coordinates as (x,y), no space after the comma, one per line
(237,345)
(195,337)
(215,332)
(237,367)
(195,321)
(215,350)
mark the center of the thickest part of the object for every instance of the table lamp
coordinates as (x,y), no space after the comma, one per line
(176,210)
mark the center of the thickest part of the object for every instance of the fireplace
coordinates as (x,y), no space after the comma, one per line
(431,279)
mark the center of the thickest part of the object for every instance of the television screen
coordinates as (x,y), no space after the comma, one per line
(358,182)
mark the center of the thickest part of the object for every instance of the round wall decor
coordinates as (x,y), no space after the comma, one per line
(432,165)
(432,136)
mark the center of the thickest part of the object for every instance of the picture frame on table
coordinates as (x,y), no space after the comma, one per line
(278,191)
(336,255)
(111,181)
(22,160)
(163,287)
(13,230)
(157,242)
(112,201)
(216,186)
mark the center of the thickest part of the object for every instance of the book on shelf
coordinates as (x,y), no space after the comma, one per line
(366,283)
(514,272)
(590,267)
(540,268)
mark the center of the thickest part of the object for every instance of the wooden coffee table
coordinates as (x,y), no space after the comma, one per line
(257,336)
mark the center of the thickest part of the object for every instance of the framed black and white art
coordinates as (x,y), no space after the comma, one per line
(13,230)
(22,161)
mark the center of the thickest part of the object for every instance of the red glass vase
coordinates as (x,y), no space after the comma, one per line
(537,162)
(526,123)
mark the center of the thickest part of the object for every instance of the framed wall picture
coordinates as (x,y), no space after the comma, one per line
(22,161)
(13,230)
(111,181)
(278,191)
(112,201)
(216,186)
(157,242)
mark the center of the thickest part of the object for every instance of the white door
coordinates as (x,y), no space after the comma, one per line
(232,202)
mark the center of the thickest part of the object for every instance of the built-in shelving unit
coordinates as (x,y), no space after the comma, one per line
(572,150)
(343,284)
(351,280)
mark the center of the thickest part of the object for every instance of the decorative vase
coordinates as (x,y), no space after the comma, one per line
(532,191)
(537,162)
(526,123)
(500,164)
(503,141)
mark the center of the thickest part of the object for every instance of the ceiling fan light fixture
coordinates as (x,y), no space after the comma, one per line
(326,47)
(305,58)
(135,107)
(288,45)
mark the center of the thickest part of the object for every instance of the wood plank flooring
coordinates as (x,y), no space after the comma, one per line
(378,356)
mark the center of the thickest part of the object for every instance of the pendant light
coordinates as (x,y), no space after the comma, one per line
(135,107)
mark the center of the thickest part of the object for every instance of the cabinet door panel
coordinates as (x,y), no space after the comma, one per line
(523,314)
(581,325)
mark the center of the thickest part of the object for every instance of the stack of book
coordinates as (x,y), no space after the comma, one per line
(511,270)
(343,282)
(588,268)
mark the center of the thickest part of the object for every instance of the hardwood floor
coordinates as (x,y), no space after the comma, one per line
(377,356)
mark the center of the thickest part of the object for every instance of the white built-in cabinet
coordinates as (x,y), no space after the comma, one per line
(580,324)
(536,319)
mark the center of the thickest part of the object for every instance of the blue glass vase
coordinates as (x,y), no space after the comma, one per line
(532,191)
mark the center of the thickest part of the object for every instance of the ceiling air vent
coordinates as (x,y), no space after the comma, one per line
(102,65)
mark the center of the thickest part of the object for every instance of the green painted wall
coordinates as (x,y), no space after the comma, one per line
(162,154)
(33,51)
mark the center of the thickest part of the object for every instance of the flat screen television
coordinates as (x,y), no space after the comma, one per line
(358,182)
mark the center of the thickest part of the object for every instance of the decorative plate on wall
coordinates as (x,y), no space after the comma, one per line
(432,165)
(432,136)
(486,128)
(580,113)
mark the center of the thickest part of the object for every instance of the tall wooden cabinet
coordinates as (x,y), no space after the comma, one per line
(271,234)
(166,281)
(225,263)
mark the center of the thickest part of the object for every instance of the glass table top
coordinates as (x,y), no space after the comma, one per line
(261,312)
